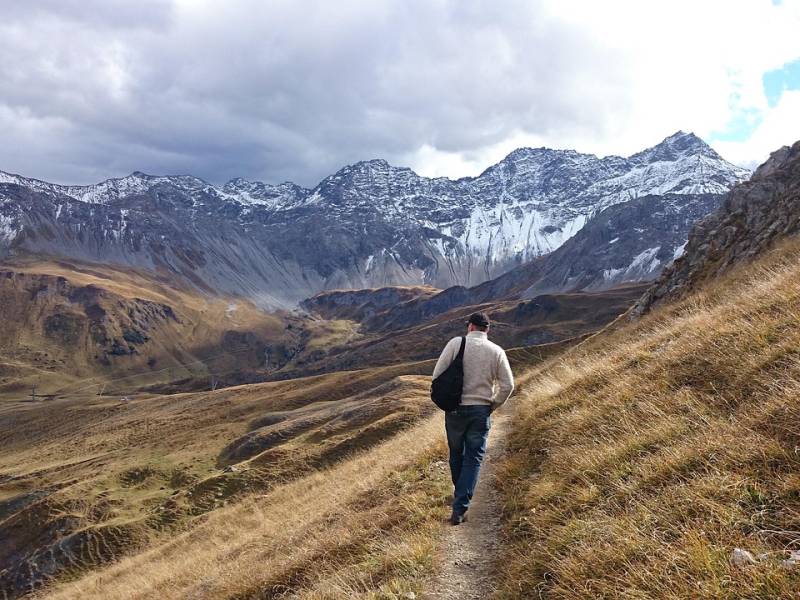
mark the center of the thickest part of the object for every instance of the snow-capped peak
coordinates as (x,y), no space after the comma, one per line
(679,145)
(416,229)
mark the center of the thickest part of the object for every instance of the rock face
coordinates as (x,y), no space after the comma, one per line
(626,243)
(368,225)
(359,305)
(752,217)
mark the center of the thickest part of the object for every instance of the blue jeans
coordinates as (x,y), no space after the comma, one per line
(467,430)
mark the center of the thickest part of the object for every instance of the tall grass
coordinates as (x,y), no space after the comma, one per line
(639,460)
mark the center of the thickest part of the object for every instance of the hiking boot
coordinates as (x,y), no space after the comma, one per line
(457,519)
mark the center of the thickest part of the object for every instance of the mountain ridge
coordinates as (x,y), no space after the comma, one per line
(367,225)
(695,142)
(754,215)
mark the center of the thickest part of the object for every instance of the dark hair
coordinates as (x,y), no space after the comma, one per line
(479,320)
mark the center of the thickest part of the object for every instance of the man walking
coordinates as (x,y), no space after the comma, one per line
(488,383)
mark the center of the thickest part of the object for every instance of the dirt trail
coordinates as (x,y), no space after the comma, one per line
(469,550)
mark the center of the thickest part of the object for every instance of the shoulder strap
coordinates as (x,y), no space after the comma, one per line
(460,356)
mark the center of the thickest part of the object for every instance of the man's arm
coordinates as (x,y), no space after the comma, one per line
(505,381)
(447,356)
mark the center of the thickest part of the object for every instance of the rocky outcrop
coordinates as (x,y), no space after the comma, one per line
(359,305)
(753,216)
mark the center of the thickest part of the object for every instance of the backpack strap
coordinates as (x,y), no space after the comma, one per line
(460,356)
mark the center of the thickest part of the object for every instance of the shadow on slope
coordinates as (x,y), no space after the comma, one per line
(545,319)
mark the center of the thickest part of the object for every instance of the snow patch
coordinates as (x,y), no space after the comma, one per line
(8,229)
(642,266)
(611,274)
(645,261)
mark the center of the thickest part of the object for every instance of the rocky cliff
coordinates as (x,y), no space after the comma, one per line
(754,215)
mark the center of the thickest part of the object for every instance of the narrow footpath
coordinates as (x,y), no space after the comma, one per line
(469,550)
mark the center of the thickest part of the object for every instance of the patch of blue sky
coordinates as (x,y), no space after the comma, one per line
(744,121)
(780,80)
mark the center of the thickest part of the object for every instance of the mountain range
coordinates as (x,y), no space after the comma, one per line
(114,466)
(372,224)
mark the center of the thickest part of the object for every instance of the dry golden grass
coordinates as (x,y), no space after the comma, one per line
(636,463)
(327,333)
(362,528)
(639,460)
(86,481)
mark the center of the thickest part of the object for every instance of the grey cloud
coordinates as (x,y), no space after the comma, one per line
(116,14)
(285,90)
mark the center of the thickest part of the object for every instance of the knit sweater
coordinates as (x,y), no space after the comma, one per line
(487,375)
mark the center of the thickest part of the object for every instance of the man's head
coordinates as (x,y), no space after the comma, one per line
(478,322)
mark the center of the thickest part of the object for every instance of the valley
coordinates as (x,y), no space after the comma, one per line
(237,239)
(156,406)
(145,418)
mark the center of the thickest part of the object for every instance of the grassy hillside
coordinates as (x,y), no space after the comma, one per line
(329,486)
(640,459)
(70,325)
(88,480)
(637,462)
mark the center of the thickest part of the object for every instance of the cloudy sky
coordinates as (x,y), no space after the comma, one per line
(292,90)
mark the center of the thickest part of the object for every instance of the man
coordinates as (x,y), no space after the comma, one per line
(488,383)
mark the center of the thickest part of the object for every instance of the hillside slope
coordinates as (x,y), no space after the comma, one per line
(85,481)
(642,458)
(319,487)
(69,325)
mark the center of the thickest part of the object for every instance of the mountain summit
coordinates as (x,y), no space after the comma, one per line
(369,224)
(679,144)
(754,216)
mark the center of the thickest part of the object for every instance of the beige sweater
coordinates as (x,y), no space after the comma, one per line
(487,374)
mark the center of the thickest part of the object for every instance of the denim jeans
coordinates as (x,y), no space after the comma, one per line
(467,430)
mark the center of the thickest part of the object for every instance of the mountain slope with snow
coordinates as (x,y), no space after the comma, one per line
(370,224)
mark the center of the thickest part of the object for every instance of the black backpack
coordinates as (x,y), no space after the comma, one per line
(446,388)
